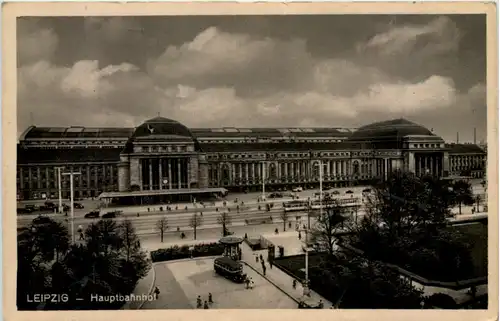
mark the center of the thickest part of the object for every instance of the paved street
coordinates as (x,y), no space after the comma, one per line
(182,281)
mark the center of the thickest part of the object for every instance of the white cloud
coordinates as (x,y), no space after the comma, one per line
(224,79)
(440,35)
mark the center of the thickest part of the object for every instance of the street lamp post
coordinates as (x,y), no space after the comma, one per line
(71,175)
(263,181)
(59,188)
(307,230)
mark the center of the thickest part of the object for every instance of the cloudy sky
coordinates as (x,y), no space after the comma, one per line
(334,71)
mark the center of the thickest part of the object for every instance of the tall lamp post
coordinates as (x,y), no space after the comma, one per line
(59,209)
(307,230)
(71,176)
(263,181)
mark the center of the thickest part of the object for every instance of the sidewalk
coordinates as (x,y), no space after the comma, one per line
(277,277)
(144,287)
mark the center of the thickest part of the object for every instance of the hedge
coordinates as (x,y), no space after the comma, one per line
(182,252)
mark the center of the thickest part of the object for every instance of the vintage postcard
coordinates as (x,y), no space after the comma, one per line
(161,160)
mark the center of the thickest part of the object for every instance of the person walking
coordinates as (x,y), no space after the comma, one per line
(210,299)
(264,269)
(156,292)
(205,305)
(294,283)
(300,236)
(198,302)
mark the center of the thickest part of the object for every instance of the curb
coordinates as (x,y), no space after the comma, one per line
(172,261)
(270,281)
(150,287)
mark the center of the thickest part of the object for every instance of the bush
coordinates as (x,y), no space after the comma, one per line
(182,252)
(441,300)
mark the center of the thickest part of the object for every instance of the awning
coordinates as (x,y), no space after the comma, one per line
(185,191)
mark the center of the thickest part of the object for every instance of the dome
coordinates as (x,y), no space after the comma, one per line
(390,130)
(160,126)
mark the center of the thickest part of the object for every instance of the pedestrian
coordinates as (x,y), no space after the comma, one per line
(320,304)
(300,236)
(289,224)
(198,302)
(294,283)
(264,269)
(205,305)
(81,236)
(261,258)
(256,259)
(210,298)
(271,264)
(246,236)
(157,292)
(247,282)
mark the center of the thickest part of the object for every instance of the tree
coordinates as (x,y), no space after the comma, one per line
(477,198)
(162,226)
(195,221)
(284,217)
(328,224)
(462,193)
(224,219)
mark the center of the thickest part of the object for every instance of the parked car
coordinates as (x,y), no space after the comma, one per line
(297,189)
(367,190)
(93,214)
(78,205)
(349,192)
(49,204)
(335,192)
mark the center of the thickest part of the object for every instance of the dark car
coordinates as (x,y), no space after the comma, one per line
(93,214)
(32,208)
(367,190)
(335,192)
(111,214)
(78,205)
(349,192)
(275,195)
(24,210)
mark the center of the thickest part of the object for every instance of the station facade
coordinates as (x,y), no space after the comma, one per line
(163,155)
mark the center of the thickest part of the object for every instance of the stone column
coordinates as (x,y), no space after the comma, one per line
(160,173)
(246,172)
(179,173)
(286,172)
(150,164)
(411,162)
(258,172)
(233,173)
(169,173)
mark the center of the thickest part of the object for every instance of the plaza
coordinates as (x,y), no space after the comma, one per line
(181,282)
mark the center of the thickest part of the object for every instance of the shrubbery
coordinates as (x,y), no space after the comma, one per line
(183,252)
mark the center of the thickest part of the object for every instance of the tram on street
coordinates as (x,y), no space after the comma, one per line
(229,269)
(304,204)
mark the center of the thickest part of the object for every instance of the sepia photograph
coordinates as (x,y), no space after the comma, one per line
(270,161)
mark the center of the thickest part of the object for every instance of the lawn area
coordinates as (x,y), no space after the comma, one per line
(477,235)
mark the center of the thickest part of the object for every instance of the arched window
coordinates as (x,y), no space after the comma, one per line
(355,167)
(225,172)
(315,169)
(272,171)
